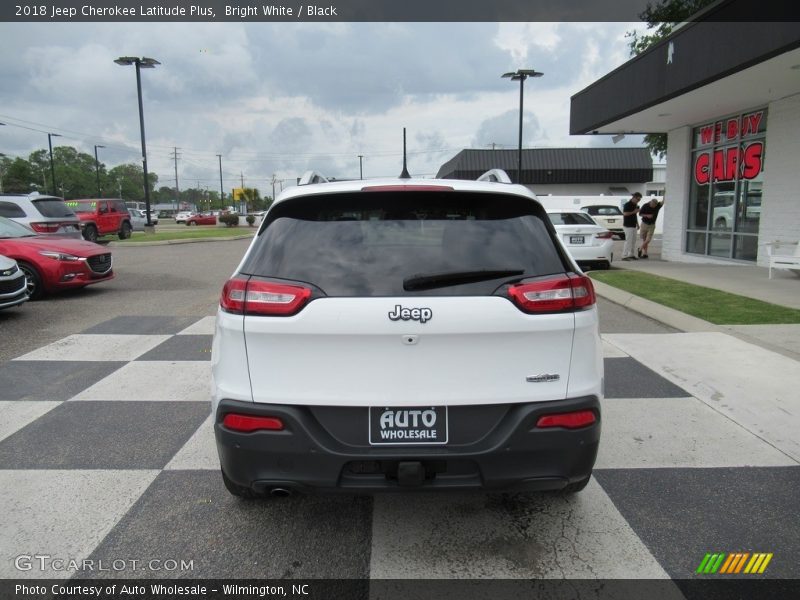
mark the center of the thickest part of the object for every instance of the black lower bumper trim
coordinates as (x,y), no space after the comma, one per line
(513,454)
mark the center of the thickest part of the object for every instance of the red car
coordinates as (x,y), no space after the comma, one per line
(54,263)
(201,220)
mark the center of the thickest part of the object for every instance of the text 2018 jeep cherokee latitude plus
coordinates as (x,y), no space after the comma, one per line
(400,334)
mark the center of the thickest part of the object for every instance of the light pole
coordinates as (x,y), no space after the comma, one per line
(141,63)
(221,192)
(361,166)
(50,137)
(97,170)
(521,75)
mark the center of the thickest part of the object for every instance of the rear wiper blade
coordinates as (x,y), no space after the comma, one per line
(434,280)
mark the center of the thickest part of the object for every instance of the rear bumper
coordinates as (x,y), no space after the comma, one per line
(492,448)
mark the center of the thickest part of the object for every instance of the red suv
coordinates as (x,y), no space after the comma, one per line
(101,217)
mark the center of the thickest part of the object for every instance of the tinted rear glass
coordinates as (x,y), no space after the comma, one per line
(369,243)
(53,208)
(575,218)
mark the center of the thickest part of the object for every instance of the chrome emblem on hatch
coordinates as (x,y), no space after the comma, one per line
(543,378)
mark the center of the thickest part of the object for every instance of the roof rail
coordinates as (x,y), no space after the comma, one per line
(310,177)
(496,175)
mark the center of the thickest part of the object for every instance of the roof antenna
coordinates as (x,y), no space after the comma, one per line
(404,174)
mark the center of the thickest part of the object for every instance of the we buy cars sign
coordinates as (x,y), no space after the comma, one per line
(743,161)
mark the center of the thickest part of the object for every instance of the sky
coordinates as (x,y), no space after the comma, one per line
(281,98)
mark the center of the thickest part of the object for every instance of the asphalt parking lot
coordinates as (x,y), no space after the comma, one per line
(104,397)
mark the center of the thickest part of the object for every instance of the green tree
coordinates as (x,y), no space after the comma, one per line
(661,18)
(19,177)
(127,181)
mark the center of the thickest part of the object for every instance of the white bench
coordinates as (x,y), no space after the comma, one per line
(783,255)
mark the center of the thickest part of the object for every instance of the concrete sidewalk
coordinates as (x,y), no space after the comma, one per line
(744,280)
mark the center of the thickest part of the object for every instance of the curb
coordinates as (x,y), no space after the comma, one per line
(659,312)
(183,241)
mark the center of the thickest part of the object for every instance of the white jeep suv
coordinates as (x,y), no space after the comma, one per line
(406,334)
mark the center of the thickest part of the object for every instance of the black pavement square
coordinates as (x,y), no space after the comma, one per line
(143,325)
(104,435)
(190,516)
(681,514)
(181,347)
(51,379)
(628,378)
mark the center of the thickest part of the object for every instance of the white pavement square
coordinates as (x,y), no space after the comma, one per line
(200,452)
(188,381)
(16,415)
(611,351)
(96,347)
(503,536)
(64,514)
(754,387)
(204,326)
(678,432)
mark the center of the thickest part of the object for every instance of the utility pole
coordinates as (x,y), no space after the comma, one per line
(361,166)
(273,187)
(221,192)
(177,189)
(240,199)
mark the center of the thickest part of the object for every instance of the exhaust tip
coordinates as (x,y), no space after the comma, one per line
(280,492)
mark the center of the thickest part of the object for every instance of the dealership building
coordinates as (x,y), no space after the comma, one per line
(727,94)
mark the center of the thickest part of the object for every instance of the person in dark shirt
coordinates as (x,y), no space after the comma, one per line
(648,213)
(630,223)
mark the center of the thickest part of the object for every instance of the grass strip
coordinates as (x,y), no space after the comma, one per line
(190,233)
(714,306)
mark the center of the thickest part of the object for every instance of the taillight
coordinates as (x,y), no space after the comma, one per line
(250,423)
(252,297)
(604,235)
(572,420)
(45,227)
(564,293)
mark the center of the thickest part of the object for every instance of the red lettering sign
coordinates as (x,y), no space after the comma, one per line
(729,164)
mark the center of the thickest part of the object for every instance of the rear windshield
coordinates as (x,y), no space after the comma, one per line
(82,206)
(603,210)
(375,243)
(571,218)
(53,207)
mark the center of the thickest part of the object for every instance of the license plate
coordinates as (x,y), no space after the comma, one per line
(576,239)
(409,425)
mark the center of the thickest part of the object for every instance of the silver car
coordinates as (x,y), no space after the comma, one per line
(13,284)
(46,215)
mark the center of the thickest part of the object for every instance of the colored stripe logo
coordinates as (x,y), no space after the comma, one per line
(734,563)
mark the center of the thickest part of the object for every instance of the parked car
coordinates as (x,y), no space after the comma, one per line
(183,215)
(100,217)
(589,243)
(51,263)
(153,216)
(13,285)
(400,334)
(46,215)
(138,220)
(607,216)
(201,220)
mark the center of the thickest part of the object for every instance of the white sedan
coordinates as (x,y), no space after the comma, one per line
(137,220)
(588,243)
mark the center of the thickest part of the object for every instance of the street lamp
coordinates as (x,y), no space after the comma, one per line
(97,170)
(141,63)
(50,137)
(521,75)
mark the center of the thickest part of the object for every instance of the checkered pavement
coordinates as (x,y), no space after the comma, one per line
(107,453)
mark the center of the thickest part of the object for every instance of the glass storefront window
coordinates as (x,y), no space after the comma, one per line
(725,194)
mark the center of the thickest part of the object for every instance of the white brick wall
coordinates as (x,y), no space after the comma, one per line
(780,210)
(677,197)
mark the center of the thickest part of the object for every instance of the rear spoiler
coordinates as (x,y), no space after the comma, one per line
(495,175)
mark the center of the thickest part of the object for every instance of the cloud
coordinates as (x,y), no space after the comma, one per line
(503,131)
